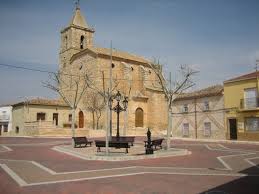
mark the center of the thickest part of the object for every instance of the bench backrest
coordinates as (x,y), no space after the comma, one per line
(124,138)
(80,139)
(157,141)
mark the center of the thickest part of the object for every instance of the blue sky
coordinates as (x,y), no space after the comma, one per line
(218,37)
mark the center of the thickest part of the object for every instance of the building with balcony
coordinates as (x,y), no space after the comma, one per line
(200,114)
(241,101)
(5,119)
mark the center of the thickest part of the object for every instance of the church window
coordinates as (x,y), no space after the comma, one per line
(139,117)
(66,42)
(82,42)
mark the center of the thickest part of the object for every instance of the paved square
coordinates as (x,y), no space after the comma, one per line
(31,165)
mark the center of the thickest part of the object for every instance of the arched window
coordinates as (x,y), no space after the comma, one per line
(81,120)
(139,117)
(82,42)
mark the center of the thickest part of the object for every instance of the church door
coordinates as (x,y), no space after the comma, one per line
(139,117)
(81,119)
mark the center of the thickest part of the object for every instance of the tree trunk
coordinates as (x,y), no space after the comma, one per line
(93,120)
(107,129)
(98,116)
(169,128)
(73,124)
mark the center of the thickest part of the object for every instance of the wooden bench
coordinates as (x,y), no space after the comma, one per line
(115,144)
(81,142)
(129,139)
(155,143)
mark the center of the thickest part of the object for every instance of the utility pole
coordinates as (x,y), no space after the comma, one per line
(168,140)
(195,116)
(110,93)
(256,70)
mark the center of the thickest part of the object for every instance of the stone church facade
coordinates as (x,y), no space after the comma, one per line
(131,74)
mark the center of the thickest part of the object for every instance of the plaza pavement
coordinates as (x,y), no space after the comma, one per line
(31,165)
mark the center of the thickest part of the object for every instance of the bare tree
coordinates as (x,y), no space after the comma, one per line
(95,103)
(172,89)
(71,85)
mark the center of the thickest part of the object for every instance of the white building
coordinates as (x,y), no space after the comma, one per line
(5,119)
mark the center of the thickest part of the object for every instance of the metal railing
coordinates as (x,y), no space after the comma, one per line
(249,103)
(4,117)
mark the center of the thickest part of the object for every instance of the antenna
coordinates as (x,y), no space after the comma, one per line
(256,64)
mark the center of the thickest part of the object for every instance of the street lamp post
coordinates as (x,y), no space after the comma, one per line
(118,108)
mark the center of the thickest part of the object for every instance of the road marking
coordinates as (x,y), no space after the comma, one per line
(43,167)
(7,149)
(37,144)
(118,172)
(14,176)
(252,163)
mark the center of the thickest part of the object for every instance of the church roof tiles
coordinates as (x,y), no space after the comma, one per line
(115,53)
(206,92)
(42,101)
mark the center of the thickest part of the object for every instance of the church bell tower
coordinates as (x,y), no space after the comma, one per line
(76,37)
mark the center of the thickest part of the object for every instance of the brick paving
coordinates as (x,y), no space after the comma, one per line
(200,172)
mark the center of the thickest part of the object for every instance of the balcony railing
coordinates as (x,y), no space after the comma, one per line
(249,103)
(4,117)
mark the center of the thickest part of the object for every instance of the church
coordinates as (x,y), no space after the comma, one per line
(131,75)
(127,73)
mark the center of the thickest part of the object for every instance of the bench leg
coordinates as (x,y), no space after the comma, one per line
(98,149)
(127,150)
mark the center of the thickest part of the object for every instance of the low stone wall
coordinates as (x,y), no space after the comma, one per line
(66,132)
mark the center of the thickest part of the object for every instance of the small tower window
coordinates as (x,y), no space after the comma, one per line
(82,42)
(65,42)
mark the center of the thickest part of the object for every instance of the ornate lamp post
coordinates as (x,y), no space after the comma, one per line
(118,108)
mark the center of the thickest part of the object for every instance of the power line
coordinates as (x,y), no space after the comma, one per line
(52,72)
(25,68)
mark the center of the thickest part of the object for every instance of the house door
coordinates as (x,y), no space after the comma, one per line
(233,128)
(55,118)
(81,119)
(139,117)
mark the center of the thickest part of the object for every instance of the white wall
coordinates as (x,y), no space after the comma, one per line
(6,116)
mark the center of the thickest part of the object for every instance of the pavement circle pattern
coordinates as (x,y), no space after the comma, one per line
(28,173)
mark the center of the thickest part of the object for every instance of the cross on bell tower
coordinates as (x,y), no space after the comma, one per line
(77,3)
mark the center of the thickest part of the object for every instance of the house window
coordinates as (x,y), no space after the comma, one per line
(207,129)
(185,108)
(185,131)
(70,117)
(206,106)
(252,124)
(41,116)
(250,98)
